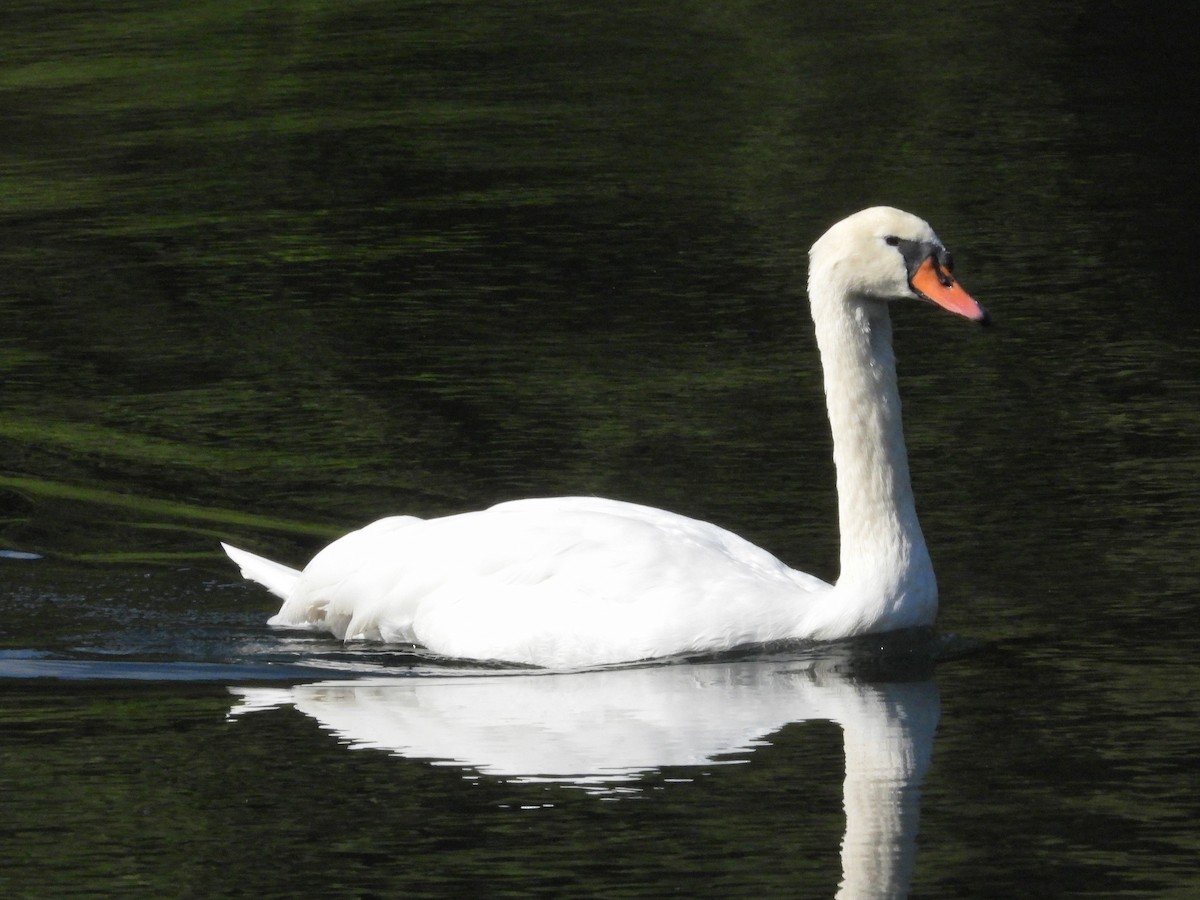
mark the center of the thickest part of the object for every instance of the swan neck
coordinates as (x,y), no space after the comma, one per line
(883,552)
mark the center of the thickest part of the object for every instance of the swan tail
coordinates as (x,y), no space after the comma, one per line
(277,578)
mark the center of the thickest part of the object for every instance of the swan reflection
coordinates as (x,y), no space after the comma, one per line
(603,731)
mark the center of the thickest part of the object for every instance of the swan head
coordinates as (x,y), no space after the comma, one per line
(886,254)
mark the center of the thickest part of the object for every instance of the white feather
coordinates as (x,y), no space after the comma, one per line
(277,578)
(582,581)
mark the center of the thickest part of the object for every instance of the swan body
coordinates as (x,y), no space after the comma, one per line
(574,582)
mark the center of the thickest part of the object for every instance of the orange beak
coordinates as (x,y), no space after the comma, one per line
(938,286)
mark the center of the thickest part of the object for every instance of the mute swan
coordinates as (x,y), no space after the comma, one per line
(581,581)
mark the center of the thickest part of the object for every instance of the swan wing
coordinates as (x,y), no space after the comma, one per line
(562,581)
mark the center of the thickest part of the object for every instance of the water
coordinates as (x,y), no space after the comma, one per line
(269,272)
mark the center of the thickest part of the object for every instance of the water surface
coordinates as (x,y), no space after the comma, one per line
(270,271)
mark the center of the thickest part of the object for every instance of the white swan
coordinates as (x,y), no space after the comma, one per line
(580,581)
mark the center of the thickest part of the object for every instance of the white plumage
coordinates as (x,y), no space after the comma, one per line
(581,581)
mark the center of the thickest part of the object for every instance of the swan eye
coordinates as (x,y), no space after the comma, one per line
(892,241)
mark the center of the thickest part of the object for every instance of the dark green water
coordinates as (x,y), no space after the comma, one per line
(271,270)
